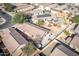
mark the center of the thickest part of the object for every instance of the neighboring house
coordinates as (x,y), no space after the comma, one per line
(73,39)
(13,41)
(41,15)
(56,48)
(47,15)
(61,50)
(33,31)
(75,36)
(58,6)
(74,42)
(24,8)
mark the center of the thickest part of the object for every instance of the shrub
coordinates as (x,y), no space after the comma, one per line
(8,7)
(29,49)
(19,18)
(66,32)
(40,22)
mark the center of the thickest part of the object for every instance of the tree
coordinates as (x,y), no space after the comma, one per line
(75,19)
(40,22)
(29,49)
(19,18)
(8,7)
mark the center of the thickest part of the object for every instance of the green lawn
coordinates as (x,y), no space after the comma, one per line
(75,19)
(40,22)
(66,33)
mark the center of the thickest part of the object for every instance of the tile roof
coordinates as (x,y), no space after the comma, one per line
(12,40)
(17,36)
(75,41)
(62,50)
(32,29)
(10,43)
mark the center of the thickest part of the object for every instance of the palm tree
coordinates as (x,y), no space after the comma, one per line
(19,18)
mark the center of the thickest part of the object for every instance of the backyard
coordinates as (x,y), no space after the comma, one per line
(75,19)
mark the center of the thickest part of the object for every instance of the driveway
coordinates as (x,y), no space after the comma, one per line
(7,17)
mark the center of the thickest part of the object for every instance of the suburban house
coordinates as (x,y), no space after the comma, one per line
(73,39)
(41,15)
(62,51)
(24,8)
(13,41)
(56,48)
(33,31)
(54,17)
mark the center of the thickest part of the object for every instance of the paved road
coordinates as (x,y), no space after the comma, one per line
(7,17)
